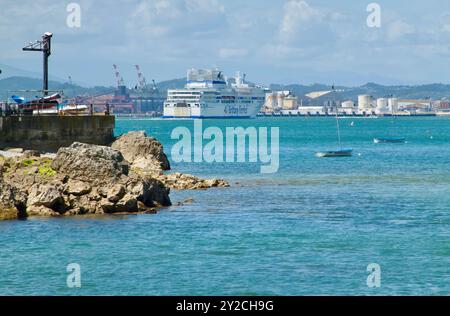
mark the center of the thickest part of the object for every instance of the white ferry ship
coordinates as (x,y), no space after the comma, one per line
(208,94)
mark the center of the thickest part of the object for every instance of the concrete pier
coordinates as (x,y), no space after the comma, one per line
(50,132)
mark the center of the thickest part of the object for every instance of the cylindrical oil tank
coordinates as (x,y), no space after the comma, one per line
(382,104)
(364,102)
(271,99)
(280,99)
(393,104)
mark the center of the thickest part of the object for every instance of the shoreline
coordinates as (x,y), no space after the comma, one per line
(267,115)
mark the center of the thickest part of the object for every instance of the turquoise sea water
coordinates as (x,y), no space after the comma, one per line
(312,228)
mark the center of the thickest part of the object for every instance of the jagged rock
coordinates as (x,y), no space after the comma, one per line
(86,204)
(8,212)
(40,210)
(145,209)
(48,196)
(186,202)
(78,188)
(180,181)
(142,151)
(116,193)
(127,204)
(90,163)
(12,202)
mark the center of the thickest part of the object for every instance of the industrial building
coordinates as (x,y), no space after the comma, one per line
(142,99)
(280,100)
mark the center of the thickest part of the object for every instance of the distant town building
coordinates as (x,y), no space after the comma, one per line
(311,110)
(349,104)
(414,106)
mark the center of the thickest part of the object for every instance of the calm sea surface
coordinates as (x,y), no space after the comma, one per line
(312,228)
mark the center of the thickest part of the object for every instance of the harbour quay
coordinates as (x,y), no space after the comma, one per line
(50,132)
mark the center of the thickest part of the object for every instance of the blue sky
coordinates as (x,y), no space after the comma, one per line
(276,41)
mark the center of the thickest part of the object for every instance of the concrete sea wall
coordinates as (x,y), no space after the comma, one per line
(50,132)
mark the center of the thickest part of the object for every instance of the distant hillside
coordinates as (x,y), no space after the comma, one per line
(9,85)
(9,71)
(435,91)
(171,84)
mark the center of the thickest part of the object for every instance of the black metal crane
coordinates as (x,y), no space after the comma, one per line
(43,46)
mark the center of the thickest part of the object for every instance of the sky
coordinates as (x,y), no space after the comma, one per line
(272,41)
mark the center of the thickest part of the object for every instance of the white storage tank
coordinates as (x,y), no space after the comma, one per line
(280,99)
(393,105)
(382,105)
(290,102)
(271,100)
(364,102)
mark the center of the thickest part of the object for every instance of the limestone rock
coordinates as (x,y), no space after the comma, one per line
(48,196)
(142,151)
(12,202)
(116,193)
(40,210)
(127,204)
(90,179)
(180,181)
(90,163)
(78,188)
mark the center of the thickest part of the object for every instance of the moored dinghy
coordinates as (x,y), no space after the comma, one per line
(337,153)
(391,140)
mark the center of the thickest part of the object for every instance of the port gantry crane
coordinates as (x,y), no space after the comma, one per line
(143,82)
(141,79)
(119,79)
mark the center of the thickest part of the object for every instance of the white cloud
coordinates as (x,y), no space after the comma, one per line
(206,6)
(297,14)
(157,18)
(165,36)
(399,29)
(233,52)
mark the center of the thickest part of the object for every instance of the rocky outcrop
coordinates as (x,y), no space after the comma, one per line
(46,198)
(81,179)
(90,163)
(179,181)
(147,158)
(142,151)
(12,201)
(89,179)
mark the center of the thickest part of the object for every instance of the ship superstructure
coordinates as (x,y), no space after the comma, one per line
(209,94)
